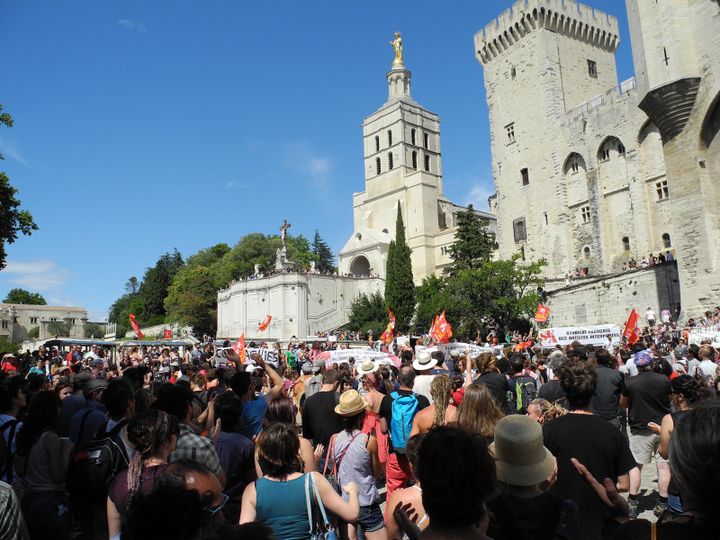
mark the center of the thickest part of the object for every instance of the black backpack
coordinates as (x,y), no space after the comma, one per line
(93,467)
(525,392)
(6,455)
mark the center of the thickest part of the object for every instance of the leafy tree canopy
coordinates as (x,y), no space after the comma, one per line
(368,313)
(21,296)
(13,220)
(473,245)
(324,258)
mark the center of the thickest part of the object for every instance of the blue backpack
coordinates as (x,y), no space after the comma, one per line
(404,409)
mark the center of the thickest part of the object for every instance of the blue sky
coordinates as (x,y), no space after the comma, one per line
(141,126)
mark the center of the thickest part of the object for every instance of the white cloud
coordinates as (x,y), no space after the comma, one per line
(9,150)
(311,164)
(133,26)
(40,275)
(478,194)
(235,184)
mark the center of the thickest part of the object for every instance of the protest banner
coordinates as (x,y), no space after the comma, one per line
(447,348)
(343,356)
(587,335)
(697,335)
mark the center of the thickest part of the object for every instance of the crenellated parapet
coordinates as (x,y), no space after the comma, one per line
(566,17)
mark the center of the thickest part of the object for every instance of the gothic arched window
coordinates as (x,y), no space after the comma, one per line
(390,160)
(378,167)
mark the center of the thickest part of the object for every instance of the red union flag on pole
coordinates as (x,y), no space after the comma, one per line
(135,326)
(264,323)
(542,313)
(387,336)
(631,332)
(239,348)
(443,330)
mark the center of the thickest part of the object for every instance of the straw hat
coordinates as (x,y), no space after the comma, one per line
(350,404)
(521,459)
(367,366)
(423,361)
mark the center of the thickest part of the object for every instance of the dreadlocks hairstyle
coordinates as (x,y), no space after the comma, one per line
(147,432)
(440,390)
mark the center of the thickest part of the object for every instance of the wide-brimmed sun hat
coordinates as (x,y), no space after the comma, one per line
(367,366)
(521,459)
(423,361)
(350,404)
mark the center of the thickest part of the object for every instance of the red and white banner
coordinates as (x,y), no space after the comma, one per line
(387,336)
(587,335)
(264,323)
(239,348)
(135,326)
(167,334)
(442,330)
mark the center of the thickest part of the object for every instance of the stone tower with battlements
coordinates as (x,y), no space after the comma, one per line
(579,175)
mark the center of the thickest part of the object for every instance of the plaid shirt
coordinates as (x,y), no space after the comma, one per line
(12,524)
(196,448)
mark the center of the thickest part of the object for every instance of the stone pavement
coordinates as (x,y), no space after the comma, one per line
(648,491)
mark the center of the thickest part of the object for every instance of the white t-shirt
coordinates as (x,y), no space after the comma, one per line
(650,315)
(422,386)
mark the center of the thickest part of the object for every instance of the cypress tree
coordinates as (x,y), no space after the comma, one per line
(323,255)
(399,285)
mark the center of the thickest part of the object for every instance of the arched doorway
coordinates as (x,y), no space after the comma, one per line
(360,266)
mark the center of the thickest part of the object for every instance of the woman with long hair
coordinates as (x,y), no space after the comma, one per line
(41,460)
(283,410)
(373,391)
(440,411)
(278,498)
(153,434)
(478,412)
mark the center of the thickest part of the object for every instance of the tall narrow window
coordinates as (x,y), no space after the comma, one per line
(605,154)
(621,149)
(412,137)
(626,243)
(586,252)
(377,143)
(661,188)
(525,175)
(378,168)
(510,131)
(546,217)
(574,167)
(390,161)
(414,161)
(585,212)
(519,230)
(592,68)
(426,140)
(513,72)
(389,137)
(427,163)
(666,240)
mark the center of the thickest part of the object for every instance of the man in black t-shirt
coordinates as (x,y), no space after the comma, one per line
(592,441)
(319,420)
(606,402)
(647,398)
(552,390)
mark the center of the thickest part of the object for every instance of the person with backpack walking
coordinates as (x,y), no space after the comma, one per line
(12,400)
(524,386)
(397,412)
(94,466)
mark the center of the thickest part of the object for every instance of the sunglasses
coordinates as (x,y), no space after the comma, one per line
(215,509)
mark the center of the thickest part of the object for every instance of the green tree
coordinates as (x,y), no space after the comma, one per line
(13,220)
(34,332)
(59,329)
(325,261)
(93,330)
(155,286)
(192,299)
(473,246)
(21,296)
(433,296)
(121,308)
(132,286)
(8,347)
(399,286)
(368,313)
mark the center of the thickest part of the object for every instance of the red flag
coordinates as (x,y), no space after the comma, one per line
(522,346)
(631,326)
(167,334)
(135,326)
(264,323)
(387,336)
(431,332)
(542,313)
(239,348)
(443,330)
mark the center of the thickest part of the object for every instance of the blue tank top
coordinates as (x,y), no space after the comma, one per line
(282,506)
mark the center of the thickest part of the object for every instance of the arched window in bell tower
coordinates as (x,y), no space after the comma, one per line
(427,163)
(390,160)
(414,161)
(378,167)
(377,143)
(412,137)
(389,133)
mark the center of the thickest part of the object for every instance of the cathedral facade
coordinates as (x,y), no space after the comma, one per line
(607,172)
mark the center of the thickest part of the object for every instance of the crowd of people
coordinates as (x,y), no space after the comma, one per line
(443,444)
